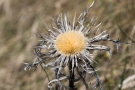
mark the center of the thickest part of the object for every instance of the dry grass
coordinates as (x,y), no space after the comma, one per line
(20,19)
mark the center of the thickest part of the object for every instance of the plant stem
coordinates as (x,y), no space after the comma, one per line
(56,76)
(123,74)
(71,76)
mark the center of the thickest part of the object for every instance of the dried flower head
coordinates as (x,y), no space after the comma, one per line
(69,44)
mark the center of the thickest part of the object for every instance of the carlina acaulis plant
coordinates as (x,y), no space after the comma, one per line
(69,45)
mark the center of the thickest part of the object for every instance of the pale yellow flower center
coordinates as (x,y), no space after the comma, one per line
(71,42)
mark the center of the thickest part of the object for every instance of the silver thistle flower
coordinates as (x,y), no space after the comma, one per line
(69,44)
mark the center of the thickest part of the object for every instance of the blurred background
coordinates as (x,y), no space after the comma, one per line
(20,19)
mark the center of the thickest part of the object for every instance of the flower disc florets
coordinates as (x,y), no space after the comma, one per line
(71,42)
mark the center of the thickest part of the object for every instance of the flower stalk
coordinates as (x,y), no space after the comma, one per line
(71,76)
